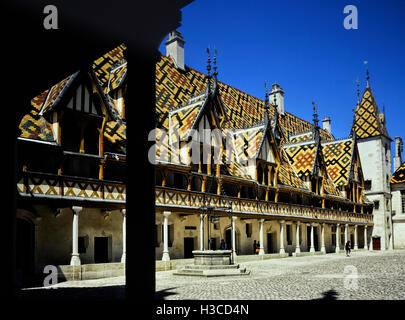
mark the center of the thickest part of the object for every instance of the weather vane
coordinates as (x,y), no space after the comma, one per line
(368,77)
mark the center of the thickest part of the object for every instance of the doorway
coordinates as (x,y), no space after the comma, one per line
(270,248)
(25,247)
(376,243)
(101,250)
(316,239)
(188,247)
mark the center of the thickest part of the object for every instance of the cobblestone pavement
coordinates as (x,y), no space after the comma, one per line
(380,276)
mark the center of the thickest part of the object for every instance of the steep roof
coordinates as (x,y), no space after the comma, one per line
(338,159)
(175,87)
(303,157)
(367,120)
(399,175)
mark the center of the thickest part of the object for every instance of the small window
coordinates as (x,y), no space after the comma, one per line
(190,227)
(376,205)
(367,184)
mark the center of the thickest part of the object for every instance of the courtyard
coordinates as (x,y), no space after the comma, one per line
(365,275)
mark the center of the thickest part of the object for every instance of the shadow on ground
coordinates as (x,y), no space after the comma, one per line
(160,295)
(329,295)
(106,293)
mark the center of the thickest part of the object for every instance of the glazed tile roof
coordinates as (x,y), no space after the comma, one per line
(367,119)
(302,157)
(248,141)
(399,175)
(109,72)
(244,118)
(338,159)
(287,175)
(174,87)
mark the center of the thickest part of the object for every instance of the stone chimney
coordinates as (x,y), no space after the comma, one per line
(326,124)
(398,153)
(278,93)
(175,48)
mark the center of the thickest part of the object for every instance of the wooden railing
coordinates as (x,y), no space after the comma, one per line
(168,197)
(56,186)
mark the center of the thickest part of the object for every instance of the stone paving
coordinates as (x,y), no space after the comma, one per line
(365,275)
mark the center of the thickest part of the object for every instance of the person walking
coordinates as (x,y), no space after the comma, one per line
(347,247)
(254,246)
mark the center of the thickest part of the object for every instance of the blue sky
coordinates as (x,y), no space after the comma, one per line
(303,46)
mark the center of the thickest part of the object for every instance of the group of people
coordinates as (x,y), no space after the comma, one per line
(256,247)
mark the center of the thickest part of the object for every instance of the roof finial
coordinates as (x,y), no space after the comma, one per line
(266,96)
(315,114)
(208,63)
(368,76)
(358,91)
(215,64)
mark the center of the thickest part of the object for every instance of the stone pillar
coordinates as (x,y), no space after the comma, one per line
(261,249)
(201,232)
(297,238)
(234,238)
(166,256)
(124,235)
(312,248)
(346,232)
(323,249)
(365,238)
(75,260)
(337,238)
(282,237)
(356,245)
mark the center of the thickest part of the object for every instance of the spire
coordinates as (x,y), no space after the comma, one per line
(368,76)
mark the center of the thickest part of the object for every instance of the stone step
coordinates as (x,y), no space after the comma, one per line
(211,271)
(211,267)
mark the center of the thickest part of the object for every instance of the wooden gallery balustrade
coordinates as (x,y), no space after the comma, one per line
(184,200)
